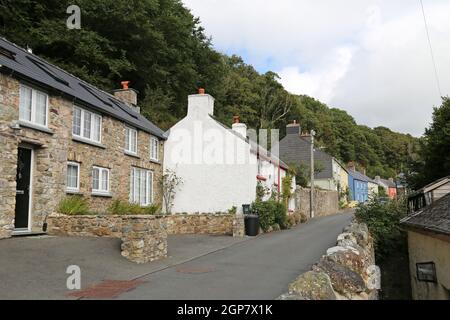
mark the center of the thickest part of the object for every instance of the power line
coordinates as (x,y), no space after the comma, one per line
(431,49)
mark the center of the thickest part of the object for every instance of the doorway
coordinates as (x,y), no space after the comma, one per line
(24,180)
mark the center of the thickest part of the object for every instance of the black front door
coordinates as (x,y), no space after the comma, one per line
(23,179)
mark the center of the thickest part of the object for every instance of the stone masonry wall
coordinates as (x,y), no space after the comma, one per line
(144,238)
(346,272)
(53,149)
(326,202)
(218,224)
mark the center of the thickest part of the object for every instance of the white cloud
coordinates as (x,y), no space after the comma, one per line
(369,57)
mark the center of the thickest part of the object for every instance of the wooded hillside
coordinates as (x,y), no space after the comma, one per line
(162,49)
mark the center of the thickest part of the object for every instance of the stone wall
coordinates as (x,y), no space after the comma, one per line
(53,148)
(346,272)
(144,238)
(218,224)
(326,202)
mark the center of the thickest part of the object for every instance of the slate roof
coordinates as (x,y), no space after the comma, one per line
(255,147)
(20,63)
(434,218)
(389,183)
(296,149)
(359,176)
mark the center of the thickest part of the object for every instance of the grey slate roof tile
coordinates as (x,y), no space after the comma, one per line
(40,72)
(434,218)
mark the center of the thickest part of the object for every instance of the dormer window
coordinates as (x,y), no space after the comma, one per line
(130,140)
(86,125)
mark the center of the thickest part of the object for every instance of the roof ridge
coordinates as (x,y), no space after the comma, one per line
(60,69)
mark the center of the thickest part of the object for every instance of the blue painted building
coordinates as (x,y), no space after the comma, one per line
(359,186)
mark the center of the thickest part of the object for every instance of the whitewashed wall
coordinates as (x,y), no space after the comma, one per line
(217,167)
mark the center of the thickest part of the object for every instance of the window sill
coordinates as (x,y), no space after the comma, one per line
(155,161)
(102,194)
(87,141)
(75,192)
(131,154)
(35,126)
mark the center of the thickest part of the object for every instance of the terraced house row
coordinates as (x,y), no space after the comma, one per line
(60,135)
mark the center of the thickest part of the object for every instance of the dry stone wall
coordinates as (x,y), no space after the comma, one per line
(346,272)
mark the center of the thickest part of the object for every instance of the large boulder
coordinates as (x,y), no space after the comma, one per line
(313,286)
(344,280)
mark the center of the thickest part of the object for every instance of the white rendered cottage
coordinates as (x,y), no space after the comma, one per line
(219,166)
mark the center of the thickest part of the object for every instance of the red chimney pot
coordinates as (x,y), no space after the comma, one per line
(125,84)
(201,91)
(236,119)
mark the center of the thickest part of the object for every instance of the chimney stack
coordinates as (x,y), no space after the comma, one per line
(200,105)
(127,95)
(239,127)
(293,128)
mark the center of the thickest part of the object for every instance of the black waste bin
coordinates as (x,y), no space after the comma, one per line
(251,225)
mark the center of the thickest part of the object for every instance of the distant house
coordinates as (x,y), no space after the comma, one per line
(429,250)
(295,148)
(359,185)
(428,194)
(389,186)
(220,167)
(373,188)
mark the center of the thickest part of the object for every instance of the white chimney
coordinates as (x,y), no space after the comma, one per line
(200,105)
(239,127)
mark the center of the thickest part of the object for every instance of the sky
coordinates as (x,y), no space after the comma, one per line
(368,57)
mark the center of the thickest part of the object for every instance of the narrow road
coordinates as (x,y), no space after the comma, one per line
(260,268)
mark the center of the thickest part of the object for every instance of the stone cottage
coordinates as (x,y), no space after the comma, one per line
(60,136)
(429,250)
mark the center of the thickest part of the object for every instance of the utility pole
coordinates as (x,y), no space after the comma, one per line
(311,197)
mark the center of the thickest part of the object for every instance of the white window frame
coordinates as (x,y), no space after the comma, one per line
(130,129)
(135,198)
(72,189)
(156,142)
(82,116)
(100,181)
(33,106)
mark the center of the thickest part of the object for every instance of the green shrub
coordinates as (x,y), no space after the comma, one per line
(383,221)
(270,212)
(120,207)
(233,210)
(303,217)
(73,205)
(291,221)
(153,209)
(280,215)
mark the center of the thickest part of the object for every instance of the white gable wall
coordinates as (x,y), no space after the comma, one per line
(217,168)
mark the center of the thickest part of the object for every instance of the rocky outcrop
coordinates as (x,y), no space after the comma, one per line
(346,272)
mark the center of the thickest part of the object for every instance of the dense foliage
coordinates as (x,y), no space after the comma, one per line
(383,221)
(434,160)
(270,213)
(73,205)
(161,48)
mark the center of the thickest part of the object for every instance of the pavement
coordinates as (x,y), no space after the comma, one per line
(198,266)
